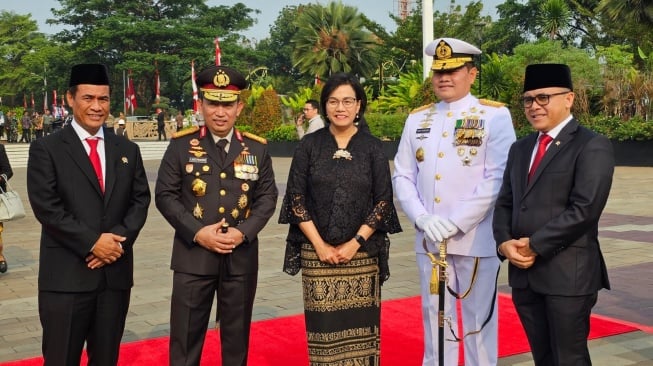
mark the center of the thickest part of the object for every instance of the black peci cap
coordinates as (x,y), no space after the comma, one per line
(540,76)
(94,74)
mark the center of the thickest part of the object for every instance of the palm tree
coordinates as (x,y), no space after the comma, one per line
(554,17)
(627,10)
(332,39)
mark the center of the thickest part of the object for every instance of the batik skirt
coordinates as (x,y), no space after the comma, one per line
(342,310)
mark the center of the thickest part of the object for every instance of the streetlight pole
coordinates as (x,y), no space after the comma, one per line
(480,27)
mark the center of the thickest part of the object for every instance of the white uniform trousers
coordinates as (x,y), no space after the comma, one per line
(481,348)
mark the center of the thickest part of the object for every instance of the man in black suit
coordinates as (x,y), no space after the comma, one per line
(216,188)
(89,191)
(546,219)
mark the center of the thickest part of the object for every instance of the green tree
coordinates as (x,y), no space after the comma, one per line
(29,61)
(266,114)
(554,17)
(627,10)
(133,34)
(332,39)
(278,52)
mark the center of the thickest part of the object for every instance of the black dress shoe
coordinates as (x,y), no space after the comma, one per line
(3,266)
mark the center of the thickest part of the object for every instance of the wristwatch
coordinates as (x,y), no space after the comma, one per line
(359,238)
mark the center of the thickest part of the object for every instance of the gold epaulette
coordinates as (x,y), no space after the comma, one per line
(185,132)
(255,138)
(491,103)
(421,108)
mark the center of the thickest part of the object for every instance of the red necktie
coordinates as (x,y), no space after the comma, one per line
(95,160)
(541,150)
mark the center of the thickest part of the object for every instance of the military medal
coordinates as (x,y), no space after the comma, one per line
(467,161)
(198,211)
(469,131)
(234,213)
(205,168)
(244,187)
(242,201)
(189,168)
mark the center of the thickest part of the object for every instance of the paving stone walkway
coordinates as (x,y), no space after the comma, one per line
(626,238)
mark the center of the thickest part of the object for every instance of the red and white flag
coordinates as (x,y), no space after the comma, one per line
(317,79)
(157,84)
(24,101)
(218,53)
(130,98)
(192,80)
(32,100)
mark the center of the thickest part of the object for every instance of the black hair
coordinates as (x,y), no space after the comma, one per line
(342,78)
(314,103)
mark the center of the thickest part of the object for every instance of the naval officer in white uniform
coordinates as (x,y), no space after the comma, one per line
(447,174)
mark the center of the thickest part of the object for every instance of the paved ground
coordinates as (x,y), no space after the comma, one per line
(627,240)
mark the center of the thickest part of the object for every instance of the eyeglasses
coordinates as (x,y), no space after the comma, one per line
(346,102)
(541,99)
(307,109)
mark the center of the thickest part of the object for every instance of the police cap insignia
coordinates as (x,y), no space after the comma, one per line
(221,83)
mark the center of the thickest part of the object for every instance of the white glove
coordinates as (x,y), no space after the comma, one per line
(436,228)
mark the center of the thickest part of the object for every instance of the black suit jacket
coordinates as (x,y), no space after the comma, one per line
(67,200)
(558,210)
(245,203)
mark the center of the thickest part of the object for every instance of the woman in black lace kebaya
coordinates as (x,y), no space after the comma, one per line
(339,206)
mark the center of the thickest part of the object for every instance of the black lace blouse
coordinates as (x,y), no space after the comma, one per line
(339,190)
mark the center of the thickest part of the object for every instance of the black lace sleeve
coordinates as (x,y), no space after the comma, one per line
(384,218)
(293,209)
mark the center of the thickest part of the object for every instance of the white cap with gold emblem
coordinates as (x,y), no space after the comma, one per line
(450,53)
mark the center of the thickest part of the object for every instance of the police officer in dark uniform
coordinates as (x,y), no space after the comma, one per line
(216,187)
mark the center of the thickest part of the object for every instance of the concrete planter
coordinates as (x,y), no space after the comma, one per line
(633,153)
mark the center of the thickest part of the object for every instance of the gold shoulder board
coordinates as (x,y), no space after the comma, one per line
(421,108)
(491,103)
(185,132)
(255,138)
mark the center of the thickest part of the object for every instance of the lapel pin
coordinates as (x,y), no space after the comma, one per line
(124,160)
(557,143)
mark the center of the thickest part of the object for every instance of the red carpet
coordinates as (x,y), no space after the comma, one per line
(281,341)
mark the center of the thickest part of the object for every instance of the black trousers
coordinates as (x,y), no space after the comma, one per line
(192,299)
(70,319)
(161,130)
(556,326)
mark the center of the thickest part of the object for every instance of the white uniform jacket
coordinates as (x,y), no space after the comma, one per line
(450,163)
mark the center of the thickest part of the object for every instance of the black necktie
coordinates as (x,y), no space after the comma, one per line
(222,153)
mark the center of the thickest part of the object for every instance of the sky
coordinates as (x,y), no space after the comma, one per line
(377,10)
